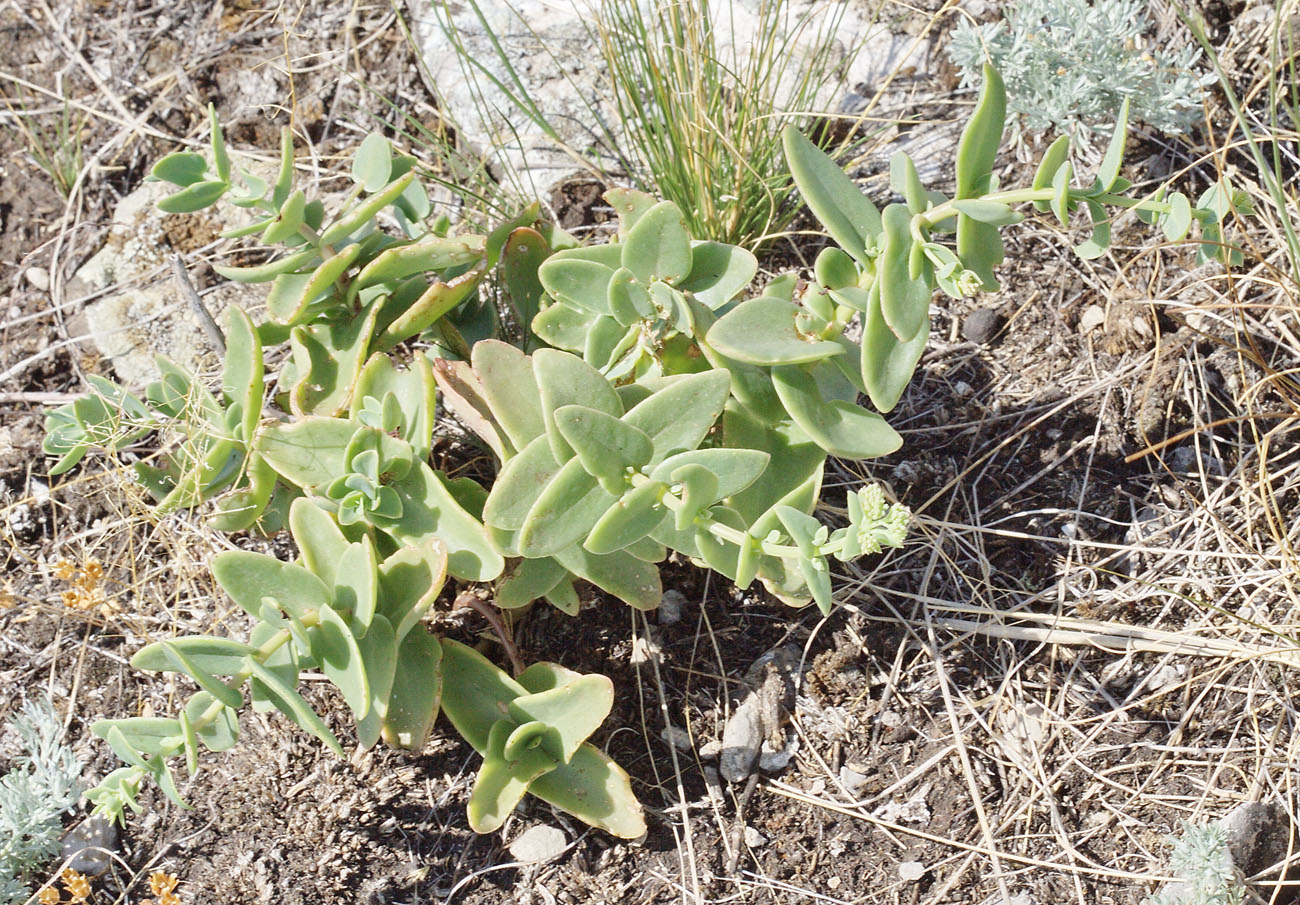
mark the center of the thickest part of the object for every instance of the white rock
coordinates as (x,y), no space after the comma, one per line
(39,277)
(538,843)
(140,312)
(553,49)
(1093,317)
(753,838)
(852,781)
(911,870)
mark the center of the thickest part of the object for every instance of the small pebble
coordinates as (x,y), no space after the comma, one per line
(670,607)
(1094,316)
(852,780)
(90,846)
(911,870)
(539,843)
(981,325)
(39,277)
(753,838)
(676,736)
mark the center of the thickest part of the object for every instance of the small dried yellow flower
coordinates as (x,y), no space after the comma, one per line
(169,898)
(76,884)
(65,569)
(161,882)
(49,896)
(72,599)
(92,570)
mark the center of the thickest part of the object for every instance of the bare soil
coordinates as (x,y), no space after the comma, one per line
(992,714)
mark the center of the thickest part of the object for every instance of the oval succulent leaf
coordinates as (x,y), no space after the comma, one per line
(249,577)
(183,168)
(719,272)
(219,656)
(409,582)
(841,428)
(519,484)
(372,165)
(219,734)
(887,364)
(977,150)
(379,656)
(735,469)
(430,511)
(633,516)
(621,574)
(564,512)
(356,586)
(595,790)
(851,219)
(416,693)
(1055,155)
(502,782)
(762,331)
(564,379)
(574,710)
(335,648)
(476,693)
(580,283)
(679,416)
(606,446)
(291,704)
(658,247)
(904,299)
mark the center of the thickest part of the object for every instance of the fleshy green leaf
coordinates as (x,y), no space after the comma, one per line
(409,582)
(606,446)
(416,694)
(219,656)
(430,511)
(564,512)
(852,220)
(476,693)
(577,282)
(719,272)
(1056,154)
(220,733)
(762,331)
(841,428)
(183,168)
(575,710)
(658,247)
(250,577)
(335,649)
(633,516)
(372,165)
(679,416)
(904,300)
(194,198)
(1108,171)
(564,379)
(887,364)
(292,705)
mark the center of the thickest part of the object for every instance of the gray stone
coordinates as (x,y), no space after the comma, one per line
(140,313)
(539,843)
(981,325)
(89,846)
(553,49)
(1258,835)
(670,607)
